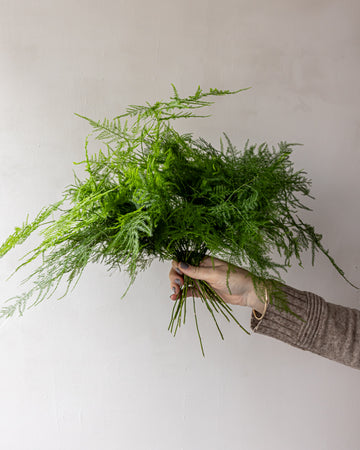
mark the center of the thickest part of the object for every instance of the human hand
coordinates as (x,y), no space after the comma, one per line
(215,272)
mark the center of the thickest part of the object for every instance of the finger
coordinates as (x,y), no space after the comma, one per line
(175,267)
(174,297)
(176,280)
(205,273)
(211,261)
(175,272)
(208,261)
(176,283)
(191,292)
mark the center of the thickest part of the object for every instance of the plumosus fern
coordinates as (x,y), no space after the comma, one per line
(154,193)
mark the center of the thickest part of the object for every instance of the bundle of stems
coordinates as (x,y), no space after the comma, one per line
(152,192)
(213,301)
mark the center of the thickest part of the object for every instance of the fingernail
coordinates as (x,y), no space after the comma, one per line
(174,290)
(184,265)
(178,271)
(177,281)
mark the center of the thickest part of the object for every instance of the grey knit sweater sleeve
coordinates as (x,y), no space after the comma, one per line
(331,331)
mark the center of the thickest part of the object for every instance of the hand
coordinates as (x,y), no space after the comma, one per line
(214,271)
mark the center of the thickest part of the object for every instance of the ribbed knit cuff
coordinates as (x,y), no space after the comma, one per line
(288,328)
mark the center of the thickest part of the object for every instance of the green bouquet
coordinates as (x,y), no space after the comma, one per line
(152,192)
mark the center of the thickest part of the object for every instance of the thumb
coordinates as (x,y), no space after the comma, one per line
(197,273)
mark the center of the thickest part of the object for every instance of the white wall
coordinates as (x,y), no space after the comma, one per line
(94,372)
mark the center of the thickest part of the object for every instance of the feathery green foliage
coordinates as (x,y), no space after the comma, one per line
(155,193)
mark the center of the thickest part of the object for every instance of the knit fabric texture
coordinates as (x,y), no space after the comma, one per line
(329,330)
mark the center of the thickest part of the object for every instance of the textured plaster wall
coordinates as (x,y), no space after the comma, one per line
(96,372)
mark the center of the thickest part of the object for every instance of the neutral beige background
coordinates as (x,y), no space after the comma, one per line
(94,372)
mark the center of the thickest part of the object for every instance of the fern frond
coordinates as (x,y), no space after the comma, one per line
(155,193)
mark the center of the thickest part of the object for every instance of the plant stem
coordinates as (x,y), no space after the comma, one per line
(212,300)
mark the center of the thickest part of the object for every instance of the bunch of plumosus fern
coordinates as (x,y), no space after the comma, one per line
(155,193)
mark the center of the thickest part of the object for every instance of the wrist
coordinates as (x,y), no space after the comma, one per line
(254,301)
(258,306)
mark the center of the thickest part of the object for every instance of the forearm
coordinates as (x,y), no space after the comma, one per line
(329,330)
